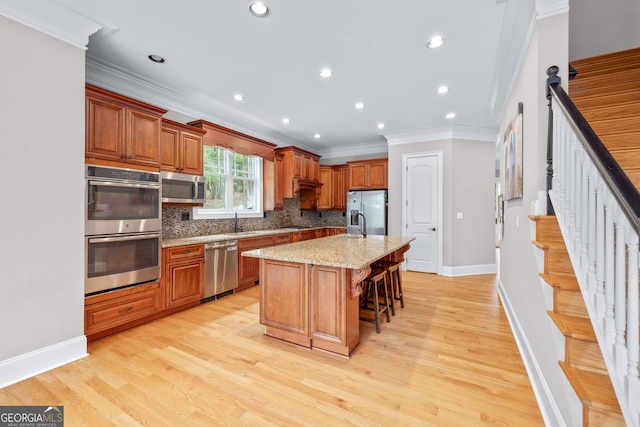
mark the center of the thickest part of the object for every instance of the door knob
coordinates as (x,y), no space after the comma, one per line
(433,229)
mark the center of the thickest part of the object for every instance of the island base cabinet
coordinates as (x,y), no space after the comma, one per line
(308,305)
(334,317)
(284,301)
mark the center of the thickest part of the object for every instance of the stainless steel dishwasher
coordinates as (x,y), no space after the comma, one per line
(220,268)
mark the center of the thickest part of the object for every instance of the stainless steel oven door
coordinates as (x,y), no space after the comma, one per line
(122,207)
(115,261)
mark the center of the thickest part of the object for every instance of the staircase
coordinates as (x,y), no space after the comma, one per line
(591,248)
(606,90)
(583,364)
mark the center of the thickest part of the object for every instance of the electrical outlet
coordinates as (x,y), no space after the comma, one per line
(185,215)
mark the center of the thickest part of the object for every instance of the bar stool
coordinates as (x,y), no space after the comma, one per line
(375,289)
(395,281)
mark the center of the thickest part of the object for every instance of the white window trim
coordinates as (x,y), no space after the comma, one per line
(199,212)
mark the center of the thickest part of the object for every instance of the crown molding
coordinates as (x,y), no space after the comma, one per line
(442,133)
(518,26)
(367,148)
(549,8)
(110,77)
(52,19)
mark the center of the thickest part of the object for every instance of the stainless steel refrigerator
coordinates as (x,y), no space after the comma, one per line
(373,205)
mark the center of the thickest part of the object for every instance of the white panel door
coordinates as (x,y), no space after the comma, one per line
(421,208)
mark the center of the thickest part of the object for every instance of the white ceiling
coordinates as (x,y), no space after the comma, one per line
(376,49)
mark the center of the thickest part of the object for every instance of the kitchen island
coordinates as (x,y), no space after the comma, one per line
(310,290)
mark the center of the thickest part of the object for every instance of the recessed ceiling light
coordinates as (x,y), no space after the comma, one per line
(157,59)
(286,121)
(450,115)
(380,125)
(359,105)
(259,9)
(238,97)
(316,136)
(436,41)
(325,72)
(443,89)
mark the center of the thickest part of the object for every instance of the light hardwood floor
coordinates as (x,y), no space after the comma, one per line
(447,359)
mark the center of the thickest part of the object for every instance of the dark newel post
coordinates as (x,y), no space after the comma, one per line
(553,79)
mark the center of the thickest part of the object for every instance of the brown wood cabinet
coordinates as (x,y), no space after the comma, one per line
(121,129)
(284,301)
(278,196)
(325,202)
(249,268)
(309,306)
(272,183)
(117,310)
(368,174)
(300,171)
(333,194)
(183,276)
(181,148)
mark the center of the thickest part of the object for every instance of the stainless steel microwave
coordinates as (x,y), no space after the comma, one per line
(182,188)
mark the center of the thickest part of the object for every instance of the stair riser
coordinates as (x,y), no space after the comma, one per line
(569,303)
(600,418)
(548,231)
(557,261)
(584,355)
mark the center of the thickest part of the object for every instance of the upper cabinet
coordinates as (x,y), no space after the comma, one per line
(272,183)
(368,174)
(122,129)
(181,148)
(334,187)
(300,171)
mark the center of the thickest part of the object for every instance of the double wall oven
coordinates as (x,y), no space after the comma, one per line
(123,228)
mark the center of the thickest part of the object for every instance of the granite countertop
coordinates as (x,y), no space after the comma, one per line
(183,241)
(343,250)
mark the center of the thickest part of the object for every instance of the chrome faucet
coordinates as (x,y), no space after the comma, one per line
(235,223)
(364,224)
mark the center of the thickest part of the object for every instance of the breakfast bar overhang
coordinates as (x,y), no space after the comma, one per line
(310,290)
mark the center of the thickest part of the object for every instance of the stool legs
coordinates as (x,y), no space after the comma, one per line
(374,287)
(396,284)
(391,292)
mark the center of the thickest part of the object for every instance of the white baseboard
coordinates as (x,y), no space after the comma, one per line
(469,270)
(546,402)
(38,361)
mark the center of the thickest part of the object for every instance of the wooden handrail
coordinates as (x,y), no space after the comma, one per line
(618,182)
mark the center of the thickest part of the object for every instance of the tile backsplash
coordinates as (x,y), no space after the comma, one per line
(174,226)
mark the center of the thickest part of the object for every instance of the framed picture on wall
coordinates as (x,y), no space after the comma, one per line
(513,158)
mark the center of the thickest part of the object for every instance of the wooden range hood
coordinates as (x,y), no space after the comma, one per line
(309,192)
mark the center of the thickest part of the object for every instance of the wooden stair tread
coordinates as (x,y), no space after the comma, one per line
(617,141)
(586,101)
(593,389)
(577,92)
(611,78)
(627,109)
(549,244)
(613,126)
(595,64)
(564,281)
(575,327)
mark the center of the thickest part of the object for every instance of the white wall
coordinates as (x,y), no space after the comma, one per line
(468,185)
(597,27)
(41,217)
(518,272)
